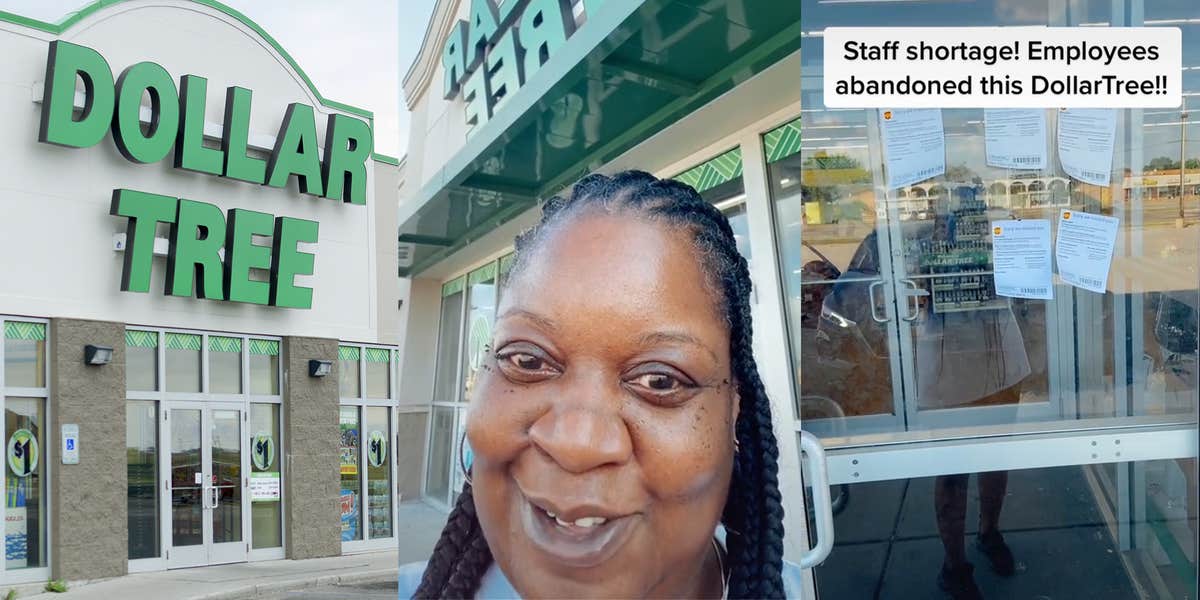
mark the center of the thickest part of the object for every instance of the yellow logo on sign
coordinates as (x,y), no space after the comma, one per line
(887,115)
(996,231)
(1066,215)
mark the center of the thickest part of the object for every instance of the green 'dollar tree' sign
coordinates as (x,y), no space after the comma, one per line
(199,231)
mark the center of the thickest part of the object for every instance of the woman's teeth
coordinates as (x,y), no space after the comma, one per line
(585,522)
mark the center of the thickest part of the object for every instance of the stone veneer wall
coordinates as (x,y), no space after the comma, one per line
(310,424)
(89,524)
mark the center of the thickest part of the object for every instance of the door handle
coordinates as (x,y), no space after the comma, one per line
(216,495)
(813,454)
(910,298)
(871,301)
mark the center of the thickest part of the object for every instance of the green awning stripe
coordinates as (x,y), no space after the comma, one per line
(219,343)
(714,172)
(141,339)
(378,355)
(183,341)
(264,347)
(482,274)
(21,330)
(453,287)
(783,141)
(348,353)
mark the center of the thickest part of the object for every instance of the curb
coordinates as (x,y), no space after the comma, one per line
(276,587)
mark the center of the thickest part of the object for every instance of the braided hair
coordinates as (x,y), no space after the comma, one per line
(753,513)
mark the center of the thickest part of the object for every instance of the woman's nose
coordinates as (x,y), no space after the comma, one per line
(581,438)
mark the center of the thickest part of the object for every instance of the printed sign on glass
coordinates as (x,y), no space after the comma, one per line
(22,453)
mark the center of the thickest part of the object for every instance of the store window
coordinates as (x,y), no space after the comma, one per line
(264,367)
(351,492)
(266,514)
(441,439)
(224,364)
(24,354)
(481,314)
(367,471)
(25,484)
(24,394)
(141,360)
(141,451)
(379,471)
(720,182)
(378,367)
(232,417)
(502,273)
(468,315)
(348,372)
(183,362)
(449,337)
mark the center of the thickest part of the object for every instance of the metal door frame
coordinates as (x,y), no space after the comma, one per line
(208,552)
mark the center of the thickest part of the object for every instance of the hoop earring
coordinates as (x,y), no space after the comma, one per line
(462,464)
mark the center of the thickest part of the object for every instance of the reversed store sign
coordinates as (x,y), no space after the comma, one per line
(487,58)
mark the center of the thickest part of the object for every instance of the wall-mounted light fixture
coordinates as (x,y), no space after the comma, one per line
(319,368)
(96,355)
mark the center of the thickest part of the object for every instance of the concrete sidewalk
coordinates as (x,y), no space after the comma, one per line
(417,530)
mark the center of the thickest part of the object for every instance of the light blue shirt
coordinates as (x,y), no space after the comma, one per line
(494,585)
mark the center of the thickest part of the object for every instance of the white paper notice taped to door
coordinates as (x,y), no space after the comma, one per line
(1015,138)
(264,487)
(1084,249)
(914,143)
(1021,259)
(1085,143)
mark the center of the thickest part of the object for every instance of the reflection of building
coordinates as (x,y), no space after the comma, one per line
(1164,184)
(1008,193)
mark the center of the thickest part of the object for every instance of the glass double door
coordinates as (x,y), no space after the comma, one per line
(901,327)
(206,483)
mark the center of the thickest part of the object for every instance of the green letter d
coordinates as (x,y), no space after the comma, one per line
(59,126)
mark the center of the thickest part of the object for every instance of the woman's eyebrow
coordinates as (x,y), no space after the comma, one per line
(537,319)
(674,337)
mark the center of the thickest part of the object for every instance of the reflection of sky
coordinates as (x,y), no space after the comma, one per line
(829,130)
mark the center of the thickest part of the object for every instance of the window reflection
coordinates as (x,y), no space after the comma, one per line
(141,452)
(887,323)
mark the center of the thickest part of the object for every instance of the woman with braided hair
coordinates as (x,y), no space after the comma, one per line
(622,439)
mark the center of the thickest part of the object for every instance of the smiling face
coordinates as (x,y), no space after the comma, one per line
(602,421)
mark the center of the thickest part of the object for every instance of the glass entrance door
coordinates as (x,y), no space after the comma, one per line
(1021,447)
(206,484)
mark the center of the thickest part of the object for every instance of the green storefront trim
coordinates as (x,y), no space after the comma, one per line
(378,355)
(714,172)
(453,286)
(264,347)
(348,353)
(23,330)
(783,141)
(220,343)
(482,274)
(141,339)
(183,341)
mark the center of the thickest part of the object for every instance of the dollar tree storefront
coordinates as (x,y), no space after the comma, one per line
(198,300)
(931,408)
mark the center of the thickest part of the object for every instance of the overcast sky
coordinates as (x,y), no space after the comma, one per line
(324,36)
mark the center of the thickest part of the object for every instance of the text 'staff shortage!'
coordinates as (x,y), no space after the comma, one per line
(1003,67)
